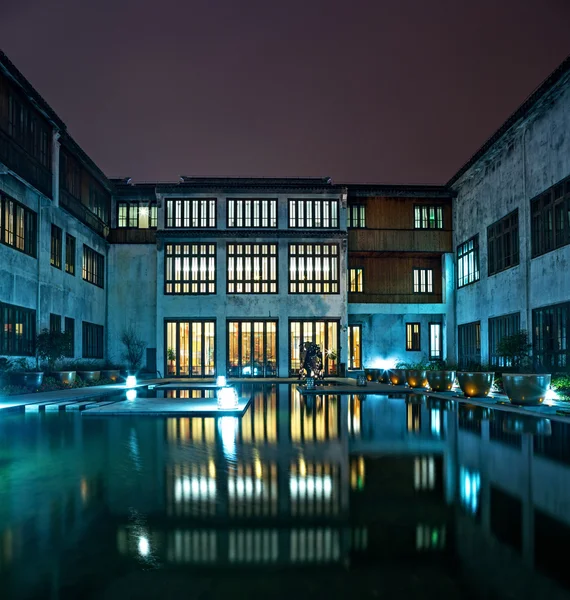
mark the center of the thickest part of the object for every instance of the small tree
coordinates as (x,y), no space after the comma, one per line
(134,348)
(515,349)
(53,346)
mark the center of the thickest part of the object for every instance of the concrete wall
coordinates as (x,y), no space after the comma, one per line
(531,156)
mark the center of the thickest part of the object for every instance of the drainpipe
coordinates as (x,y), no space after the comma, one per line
(55,167)
(528,225)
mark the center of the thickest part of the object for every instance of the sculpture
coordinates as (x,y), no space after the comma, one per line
(311,361)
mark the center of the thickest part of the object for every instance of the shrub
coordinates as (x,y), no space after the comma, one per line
(134,348)
(515,349)
(53,346)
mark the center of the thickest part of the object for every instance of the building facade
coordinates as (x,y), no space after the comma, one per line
(229,276)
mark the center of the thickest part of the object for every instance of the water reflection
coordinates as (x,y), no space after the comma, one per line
(298,481)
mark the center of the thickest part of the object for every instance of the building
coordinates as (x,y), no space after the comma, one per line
(232,275)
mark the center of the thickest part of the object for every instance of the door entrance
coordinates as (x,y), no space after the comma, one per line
(190,348)
(324,333)
(252,349)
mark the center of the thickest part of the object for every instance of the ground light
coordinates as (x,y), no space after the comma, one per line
(131,394)
(131,381)
(227,398)
(221,381)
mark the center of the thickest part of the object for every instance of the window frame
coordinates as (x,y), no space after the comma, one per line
(18,226)
(209,254)
(413,338)
(548,210)
(270,257)
(93,267)
(12,344)
(56,246)
(498,327)
(359,281)
(186,216)
(472,333)
(333,254)
(247,208)
(555,347)
(92,340)
(131,216)
(69,327)
(298,219)
(431,354)
(427,283)
(503,245)
(70,253)
(475,276)
(422,221)
(351,328)
(55,323)
(356,216)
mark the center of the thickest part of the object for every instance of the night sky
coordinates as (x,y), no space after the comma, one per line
(399,91)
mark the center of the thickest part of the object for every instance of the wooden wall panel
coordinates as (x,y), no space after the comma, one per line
(399,240)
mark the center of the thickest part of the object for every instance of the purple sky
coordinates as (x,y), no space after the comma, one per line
(399,91)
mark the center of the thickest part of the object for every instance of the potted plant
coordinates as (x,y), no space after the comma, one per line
(88,371)
(524,385)
(332,356)
(134,348)
(372,374)
(561,385)
(440,376)
(415,373)
(24,375)
(111,371)
(476,380)
(52,347)
(398,374)
(171,358)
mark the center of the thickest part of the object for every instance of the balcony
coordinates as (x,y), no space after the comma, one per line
(132,236)
(395,298)
(399,240)
(77,209)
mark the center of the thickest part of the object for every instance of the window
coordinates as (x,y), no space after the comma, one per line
(93,267)
(428,217)
(503,243)
(193,346)
(137,216)
(313,269)
(498,328)
(550,327)
(55,323)
(550,219)
(18,226)
(313,214)
(356,216)
(190,269)
(252,268)
(17,330)
(252,213)
(423,281)
(413,340)
(252,348)
(468,262)
(435,342)
(92,340)
(324,332)
(70,329)
(191,213)
(355,347)
(56,239)
(69,254)
(355,279)
(469,345)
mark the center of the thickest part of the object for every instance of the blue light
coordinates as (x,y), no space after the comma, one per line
(470,489)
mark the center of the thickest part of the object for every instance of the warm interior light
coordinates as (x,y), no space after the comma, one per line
(131,381)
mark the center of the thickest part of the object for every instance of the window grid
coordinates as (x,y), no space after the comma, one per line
(503,243)
(191,213)
(550,219)
(355,347)
(313,269)
(56,242)
(69,254)
(468,262)
(435,350)
(18,226)
(313,213)
(498,328)
(252,268)
(256,213)
(428,217)
(93,267)
(17,330)
(423,281)
(550,336)
(135,215)
(92,340)
(469,345)
(190,269)
(54,323)
(356,280)
(356,216)
(413,338)
(70,329)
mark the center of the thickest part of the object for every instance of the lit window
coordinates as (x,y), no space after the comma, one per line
(191,213)
(428,217)
(357,216)
(69,254)
(313,268)
(468,262)
(413,337)
(313,213)
(355,346)
(435,342)
(355,280)
(424,473)
(190,269)
(252,213)
(423,281)
(252,268)
(93,266)
(56,241)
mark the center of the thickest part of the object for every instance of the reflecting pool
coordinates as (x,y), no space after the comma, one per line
(319,497)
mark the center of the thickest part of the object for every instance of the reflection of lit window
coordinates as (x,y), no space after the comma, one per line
(315,545)
(436,417)
(199,430)
(430,538)
(359,538)
(198,546)
(414,417)
(252,489)
(260,546)
(354,416)
(424,473)
(313,488)
(469,489)
(191,489)
(357,473)
(259,422)
(315,418)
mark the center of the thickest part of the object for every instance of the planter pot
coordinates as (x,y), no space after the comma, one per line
(89,375)
(372,374)
(526,389)
(416,378)
(384,376)
(416,399)
(398,376)
(112,374)
(475,384)
(520,424)
(470,412)
(29,379)
(441,381)
(66,377)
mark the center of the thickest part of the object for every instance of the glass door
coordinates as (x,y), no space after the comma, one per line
(322,332)
(190,348)
(252,348)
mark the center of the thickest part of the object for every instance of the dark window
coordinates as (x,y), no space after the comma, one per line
(413,338)
(190,269)
(356,280)
(503,243)
(313,213)
(136,215)
(92,340)
(55,323)
(469,345)
(191,213)
(252,213)
(70,329)
(252,268)
(355,347)
(18,330)
(313,268)
(550,336)
(69,254)
(435,341)
(468,262)
(423,281)
(428,217)
(18,226)
(499,327)
(93,266)
(56,239)
(356,216)
(550,219)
